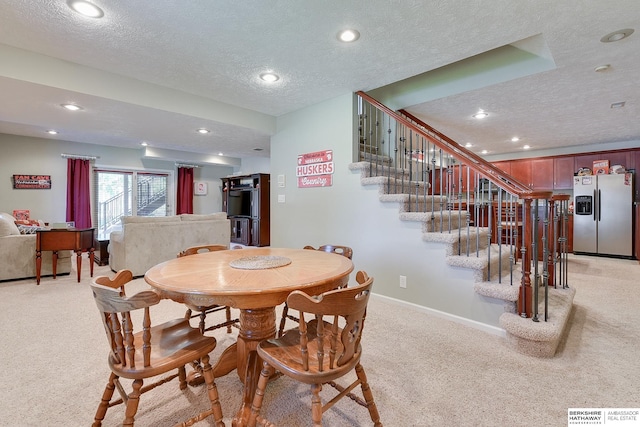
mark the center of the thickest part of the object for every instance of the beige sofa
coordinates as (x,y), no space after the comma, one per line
(18,253)
(146,241)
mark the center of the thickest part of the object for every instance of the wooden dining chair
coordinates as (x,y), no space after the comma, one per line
(320,351)
(141,350)
(340,250)
(203,311)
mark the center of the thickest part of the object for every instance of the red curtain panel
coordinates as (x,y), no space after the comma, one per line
(185,191)
(78,192)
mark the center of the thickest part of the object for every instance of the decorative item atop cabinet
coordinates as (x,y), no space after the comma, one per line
(245,199)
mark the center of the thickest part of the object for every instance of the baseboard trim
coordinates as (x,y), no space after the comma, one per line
(493,330)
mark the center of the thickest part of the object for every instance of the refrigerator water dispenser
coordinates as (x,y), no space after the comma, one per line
(584,205)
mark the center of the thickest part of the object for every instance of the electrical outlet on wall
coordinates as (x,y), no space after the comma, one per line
(403,281)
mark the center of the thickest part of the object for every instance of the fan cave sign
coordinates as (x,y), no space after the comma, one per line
(315,169)
(38,182)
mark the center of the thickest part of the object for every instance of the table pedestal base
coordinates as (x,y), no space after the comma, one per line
(255,325)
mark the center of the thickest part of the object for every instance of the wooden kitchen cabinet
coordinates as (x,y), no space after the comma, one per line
(521,170)
(585,161)
(504,166)
(542,174)
(563,170)
(535,173)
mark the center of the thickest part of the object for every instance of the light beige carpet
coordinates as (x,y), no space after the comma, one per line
(423,370)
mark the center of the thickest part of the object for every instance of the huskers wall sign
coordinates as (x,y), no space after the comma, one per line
(315,169)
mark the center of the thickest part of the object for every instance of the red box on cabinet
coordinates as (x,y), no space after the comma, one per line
(600,167)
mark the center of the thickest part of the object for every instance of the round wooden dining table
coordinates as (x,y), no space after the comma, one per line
(254,280)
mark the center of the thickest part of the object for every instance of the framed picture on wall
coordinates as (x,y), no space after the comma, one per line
(200,188)
(38,182)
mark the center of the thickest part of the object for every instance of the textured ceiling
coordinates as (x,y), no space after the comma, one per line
(157,70)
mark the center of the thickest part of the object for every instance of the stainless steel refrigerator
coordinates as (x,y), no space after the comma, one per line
(603,214)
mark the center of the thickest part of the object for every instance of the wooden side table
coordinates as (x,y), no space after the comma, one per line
(55,240)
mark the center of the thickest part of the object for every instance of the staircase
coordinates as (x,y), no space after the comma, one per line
(151,197)
(424,173)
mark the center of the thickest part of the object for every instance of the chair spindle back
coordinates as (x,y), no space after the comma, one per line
(116,310)
(349,304)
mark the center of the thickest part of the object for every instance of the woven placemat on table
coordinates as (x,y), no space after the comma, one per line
(260,262)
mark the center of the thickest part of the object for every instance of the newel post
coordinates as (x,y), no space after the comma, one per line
(552,241)
(525,297)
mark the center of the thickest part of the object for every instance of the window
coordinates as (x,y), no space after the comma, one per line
(123,193)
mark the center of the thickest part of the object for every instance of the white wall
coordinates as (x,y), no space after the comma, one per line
(251,165)
(352,215)
(39,156)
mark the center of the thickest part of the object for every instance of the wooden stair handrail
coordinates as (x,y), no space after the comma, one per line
(480,161)
(464,156)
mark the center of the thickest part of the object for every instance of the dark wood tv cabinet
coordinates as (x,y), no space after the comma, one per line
(250,223)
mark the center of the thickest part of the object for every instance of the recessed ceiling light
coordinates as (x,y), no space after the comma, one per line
(269,77)
(617,35)
(144,143)
(220,154)
(468,145)
(85,8)
(526,147)
(72,107)
(618,104)
(348,36)
(484,151)
(515,139)
(203,131)
(480,115)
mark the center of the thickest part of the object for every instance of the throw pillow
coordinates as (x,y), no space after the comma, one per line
(21,213)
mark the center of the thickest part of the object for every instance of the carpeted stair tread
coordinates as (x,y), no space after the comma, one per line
(366,169)
(392,185)
(459,238)
(428,216)
(503,291)
(540,339)
(376,158)
(478,261)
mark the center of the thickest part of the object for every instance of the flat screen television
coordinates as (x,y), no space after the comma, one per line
(239,203)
